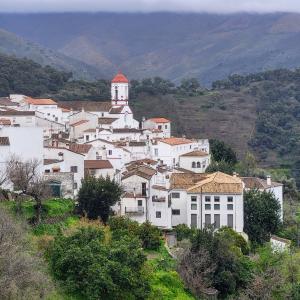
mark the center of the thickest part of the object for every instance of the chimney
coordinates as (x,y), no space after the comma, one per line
(234,174)
(269,180)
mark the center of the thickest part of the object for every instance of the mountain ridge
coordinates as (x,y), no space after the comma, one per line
(171,45)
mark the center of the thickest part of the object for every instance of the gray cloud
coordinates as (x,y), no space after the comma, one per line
(216,6)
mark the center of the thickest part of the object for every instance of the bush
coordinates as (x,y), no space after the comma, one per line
(183,232)
(150,236)
(93,267)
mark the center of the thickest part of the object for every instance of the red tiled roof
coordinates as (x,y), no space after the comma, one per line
(5,121)
(159,120)
(16,113)
(195,153)
(97,164)
(173,141)
(80,148)
(79,123)
(120,78)
(40,101)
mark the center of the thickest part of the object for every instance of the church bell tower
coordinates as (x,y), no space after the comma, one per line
(119,90)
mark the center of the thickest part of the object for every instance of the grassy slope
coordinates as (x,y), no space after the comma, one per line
(57,215)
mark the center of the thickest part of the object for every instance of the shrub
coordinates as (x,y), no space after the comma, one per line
(183,232)
(150,236)
(92,267)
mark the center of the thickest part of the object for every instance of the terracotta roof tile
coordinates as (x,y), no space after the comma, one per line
(96,106)
(51,161)
(219,183)
(79,123)
(120,78)
(142,171)
(5,122)
(116,110)
(17,113)
(40,101)
(80,148)
(97,164)
(195,153)
(106,120)
(173,141)
(159,120)
(258,183)
(126,130)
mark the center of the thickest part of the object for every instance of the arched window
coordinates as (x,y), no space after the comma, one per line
(193,164)
(198,164)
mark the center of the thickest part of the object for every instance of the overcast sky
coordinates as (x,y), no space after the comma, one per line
(217,6)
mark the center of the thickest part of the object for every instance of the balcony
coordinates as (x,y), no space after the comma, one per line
(137,210)
(158,199)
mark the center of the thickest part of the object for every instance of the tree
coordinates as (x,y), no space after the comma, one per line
(27,180)
(261,215)
(149,235)
(21,275)
(220,166)
(93,267)
(96,196)
(248,166)
(225,268)
(222,152)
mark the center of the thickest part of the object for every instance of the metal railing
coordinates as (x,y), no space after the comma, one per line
(134,210)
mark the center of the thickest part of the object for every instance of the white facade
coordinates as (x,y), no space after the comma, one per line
(20,144)
(72,162)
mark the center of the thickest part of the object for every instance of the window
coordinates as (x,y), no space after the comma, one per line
(193,164)
(109,152)
(229,199)
(75,186)
(217,206)
(198,164)
(74,169)
(217,221)
(193,221)
(176,212)
(87,138)
(144,189)
(158,214)
(102,114)
(230,206)
(194,198)
(230,221)
(207,198)
(159,127)
(47,171)
(156,152)
(140,202)
(92,172)
(207,206)
(207,220)
(193,206)
(175,195)
(217,199)
(166,126)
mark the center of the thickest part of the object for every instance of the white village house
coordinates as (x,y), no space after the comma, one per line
(164,177)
